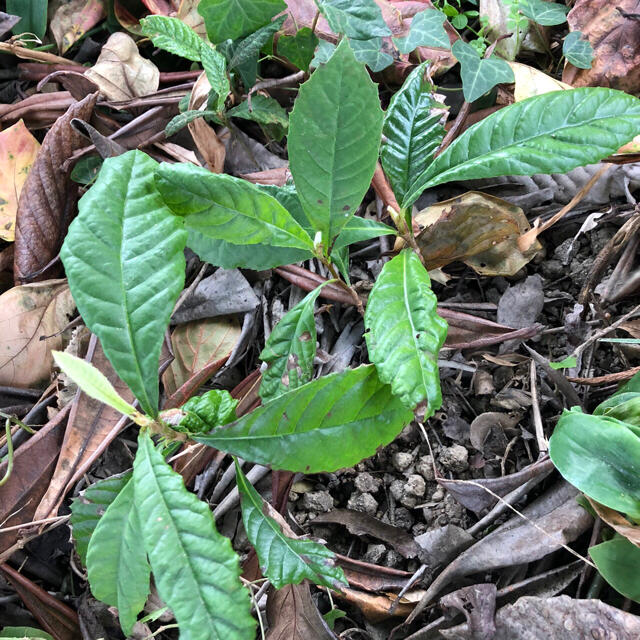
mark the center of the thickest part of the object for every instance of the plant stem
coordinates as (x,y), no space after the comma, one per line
(352,292)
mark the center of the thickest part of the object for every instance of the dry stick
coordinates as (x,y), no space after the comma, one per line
(610,378)
(30,54)
(272,83)
(543,445)
(621,269)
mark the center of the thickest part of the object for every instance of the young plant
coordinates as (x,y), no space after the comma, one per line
(124,259)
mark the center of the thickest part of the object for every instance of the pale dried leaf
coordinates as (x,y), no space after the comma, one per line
(73,19)
(533,82)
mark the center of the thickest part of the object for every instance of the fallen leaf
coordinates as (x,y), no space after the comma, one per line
(73,19)
(617,522)
(198,344)
(376,608)
(7,22)
(121,72)
(478,604)
(530,81)
(188,13)
(615,39)
(372,577)
(48,199)
(28,313)
(18,150)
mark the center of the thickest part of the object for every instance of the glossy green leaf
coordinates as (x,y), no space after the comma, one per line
(173,36)
(621,406)
(370,52)
(566,363)
(405,333)
(632,386)
(215,67)
(360,19)
(577,50)
(334,135)
(124,258)
(225,208)
(249,48)
(550,133)
(23,633)
(298,49)
(263,110)
(479,75)
(413,131)
(232,19)
(544,13)
(183,119)
(330,423)
(324,51)
(196,571)
(213,407)
(284,559)
(87,509)
(116,561)
(618,561)
(359,229)
(33,14)
(426,30)
(601,457)
(290,349)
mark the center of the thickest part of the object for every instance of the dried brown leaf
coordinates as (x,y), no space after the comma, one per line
(73,19)
(617,522)
(377,608)
(478,604)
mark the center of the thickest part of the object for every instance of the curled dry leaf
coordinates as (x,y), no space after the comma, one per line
(377,608)
(530,81)
(478,604)
(188,13)
(48,199)
(615,39)
(617,521)
(121,72)
(209,145)
(73,19)
(18,150)
(27,314)
(198,344)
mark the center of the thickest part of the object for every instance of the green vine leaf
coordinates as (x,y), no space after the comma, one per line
(124,258)
(359,19)
(545,13)
(370,52)
(196,571)
(298,49)
(263,110)
(426,30)
(577,50)
(330,423)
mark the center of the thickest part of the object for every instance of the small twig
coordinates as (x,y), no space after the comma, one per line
(543,445)
(25,525)
(274,82)
(7,475)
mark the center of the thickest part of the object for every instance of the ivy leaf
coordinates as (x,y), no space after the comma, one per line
(359,229)
(324,51)
(550,133)
(479,75)
(370,53)
(87,510)
(426,30)
(290,350)
(232,19)
(248,49)
(172,35)
(124,258)
(334,135)
(405,333)
(226,208)
(213,407)
(413,131)
(196,571)
(577,51)
(284,558)
(263,110)
(544,13)
(298,49)
(330,423)
(215,67)
(359,19)
(116,561)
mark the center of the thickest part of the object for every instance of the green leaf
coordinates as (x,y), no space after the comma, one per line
(550,133)
(426,30)
(577,50)
(33,14)
(225,208)
(330,423)
(479,75)
(263,110)
(359,19)
(215,66)
(87,509)
(20,633)
(215,407)
(232,19)
(283,558)
(601,457)
(290,350)
(370,52)
(172,35)
(633,385)
(249,48)
(116,561)
(621,406)
(86,170)
(298,49)
(413,131)
(92,382)
(184,118)
(618,561)
(405,333)
(544,13)
(567,363)
(334,135)
(196,571)
(324,51)
(124,258)
(359,229)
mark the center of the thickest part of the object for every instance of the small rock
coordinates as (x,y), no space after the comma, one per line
(374,553)
(438,495)
(425,467)
(453,509)
(401,460)
(403,518)
(408,500)
(317,501)
(366,483)
(455,458)
(363,502)
(552,269)
(396,489)
(415,485)
(392,559)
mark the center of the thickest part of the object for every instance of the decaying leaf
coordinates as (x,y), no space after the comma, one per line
(615,39)
(48,199)
(197,344)
(617,521)
(73,19)
(121,72)
(28,313)
(188,13)
(479,229)
(377,608)
(530,81)
(18,150)
(478,604)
